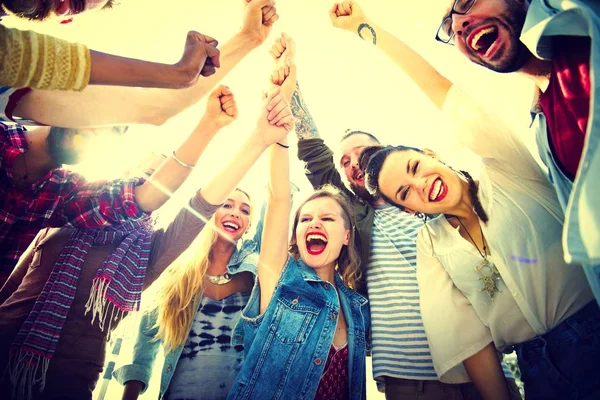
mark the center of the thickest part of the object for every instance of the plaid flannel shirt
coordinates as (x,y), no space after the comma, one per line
(60,198)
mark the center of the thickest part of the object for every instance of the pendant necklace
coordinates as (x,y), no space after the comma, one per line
(489,274)
(219,279)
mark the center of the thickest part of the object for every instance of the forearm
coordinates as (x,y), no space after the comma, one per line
(427,78)
(279,173)
(485,371)
(232,52)
(276,225)
(109,69)
(114,105)
(304,124)
(223,183)
(171,174)
(132,390)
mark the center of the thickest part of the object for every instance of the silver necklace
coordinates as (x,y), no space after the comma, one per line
(488,273)
(219,279)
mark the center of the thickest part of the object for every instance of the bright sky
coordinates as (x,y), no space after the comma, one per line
(346,83)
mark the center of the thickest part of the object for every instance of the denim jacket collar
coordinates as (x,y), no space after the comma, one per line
(244,259)
(309,275)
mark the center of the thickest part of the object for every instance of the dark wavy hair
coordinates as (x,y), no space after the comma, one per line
(372,159)
(348,262)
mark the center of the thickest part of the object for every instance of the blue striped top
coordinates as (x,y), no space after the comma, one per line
(400,348)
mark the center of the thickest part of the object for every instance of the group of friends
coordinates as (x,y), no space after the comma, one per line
(395,255)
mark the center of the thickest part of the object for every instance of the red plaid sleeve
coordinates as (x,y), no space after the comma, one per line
(97,204)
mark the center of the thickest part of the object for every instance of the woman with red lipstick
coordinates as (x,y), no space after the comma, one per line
(304,329)
(490,267)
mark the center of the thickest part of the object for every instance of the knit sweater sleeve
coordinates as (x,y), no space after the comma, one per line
(31,59)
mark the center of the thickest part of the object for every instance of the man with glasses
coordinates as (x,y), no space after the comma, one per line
(555,43)
(402,359)
(486,27)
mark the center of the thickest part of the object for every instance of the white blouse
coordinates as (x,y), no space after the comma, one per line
(538,289)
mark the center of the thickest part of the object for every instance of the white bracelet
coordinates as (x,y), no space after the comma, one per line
(181,162)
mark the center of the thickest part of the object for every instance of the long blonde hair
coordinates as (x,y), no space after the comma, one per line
(348,262)
(181,288)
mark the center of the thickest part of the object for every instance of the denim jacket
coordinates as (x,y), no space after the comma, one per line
(287,346)
(580,199)
(146,346)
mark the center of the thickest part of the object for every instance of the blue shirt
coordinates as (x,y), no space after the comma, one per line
(287,346)
(581,198)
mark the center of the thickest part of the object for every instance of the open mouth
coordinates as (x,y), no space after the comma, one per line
(438,190)
(482,40)
(316,242)
(359,177)
(230,226)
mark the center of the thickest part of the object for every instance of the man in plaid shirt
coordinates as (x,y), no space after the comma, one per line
(36,192)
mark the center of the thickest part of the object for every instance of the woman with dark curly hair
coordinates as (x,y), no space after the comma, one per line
(490,266)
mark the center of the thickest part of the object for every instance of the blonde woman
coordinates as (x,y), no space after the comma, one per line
(199,302)
(195,310)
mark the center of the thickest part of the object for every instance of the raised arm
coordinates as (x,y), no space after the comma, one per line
(273,256)
(217,190)
(57,64)
(348,15)
(284,47)
(221,110)
(110,105)
(318,158)
(200,58)
(94,204)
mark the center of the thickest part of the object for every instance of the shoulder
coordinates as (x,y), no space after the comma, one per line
(433,233)
(549,18)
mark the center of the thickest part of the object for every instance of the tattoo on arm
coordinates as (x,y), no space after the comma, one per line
(369,27)
(305,125)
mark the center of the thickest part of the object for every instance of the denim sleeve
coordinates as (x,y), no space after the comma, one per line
(144,354)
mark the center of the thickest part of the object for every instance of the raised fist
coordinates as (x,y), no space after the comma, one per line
(221,108)
(284,77)
(347,15)
(259,17)
(283,47)
(200,57)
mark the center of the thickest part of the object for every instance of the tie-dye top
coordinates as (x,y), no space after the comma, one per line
(209,364)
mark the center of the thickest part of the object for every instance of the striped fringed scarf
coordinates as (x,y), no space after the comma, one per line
(116,289)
